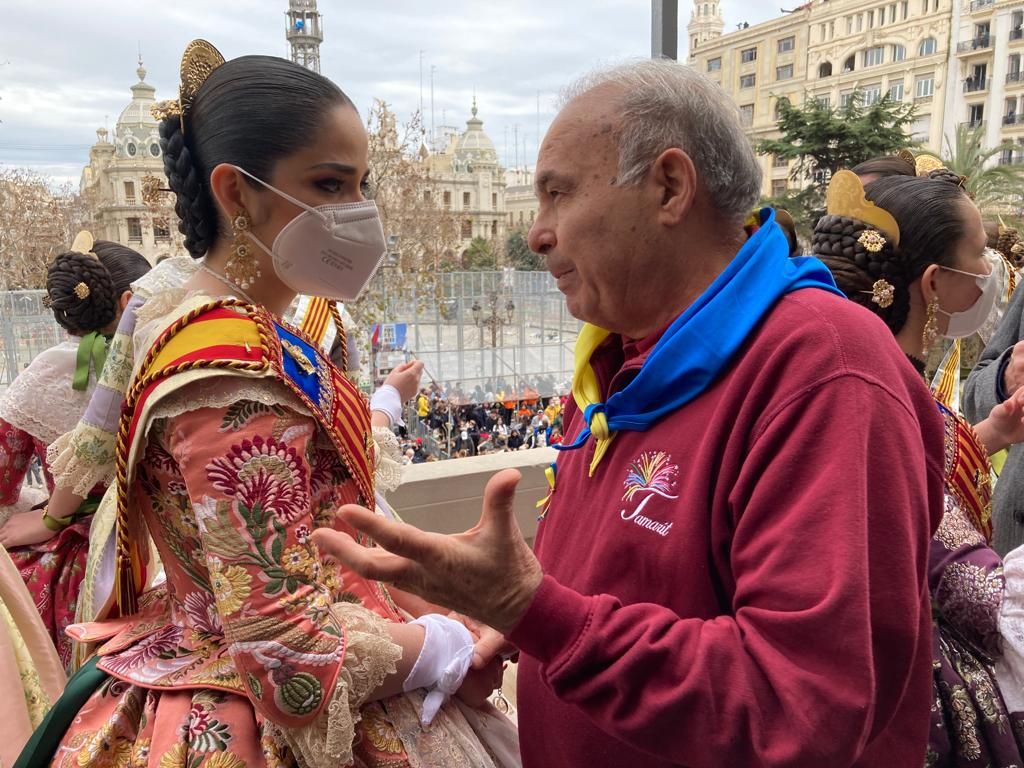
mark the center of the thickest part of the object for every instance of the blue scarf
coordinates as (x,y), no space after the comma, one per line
(701,342)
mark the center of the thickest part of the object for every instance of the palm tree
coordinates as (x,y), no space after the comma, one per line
(993,186)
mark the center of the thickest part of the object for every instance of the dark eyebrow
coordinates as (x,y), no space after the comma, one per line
(546,178)
(339,167)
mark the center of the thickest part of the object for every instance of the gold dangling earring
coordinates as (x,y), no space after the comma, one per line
(931,325)
(242,268)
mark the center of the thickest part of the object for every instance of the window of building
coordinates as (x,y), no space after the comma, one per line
(905,9)
(899,52)
(825,102)
(494,201)
(465,199)
(747,115)
(850,64)
(845,98)
(467,228)
(447,199)
(779,162)
(129,192)
(161,231)
(494,228)
(154,149)
(849,25)
(860,22)
(779,187)
(924,87)
(426,195)
(748,81)
(788,44)
(134,231)
(871,19)
(715,64)
(825,69)
(896,91)
(131,149)
(747,55)
(784,73)
(928,47)
(924,6)
(871,94)
(892,13)
(976,113)
(874,56)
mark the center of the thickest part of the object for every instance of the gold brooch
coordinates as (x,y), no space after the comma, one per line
(164,109)
(883,293)
(82,291)
(872,240)
(295,353)
(198,61)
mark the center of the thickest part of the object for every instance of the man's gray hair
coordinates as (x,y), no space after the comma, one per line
(664,104)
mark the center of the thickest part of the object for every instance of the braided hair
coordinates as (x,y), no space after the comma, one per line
(84,290)
(250,112)
(930,217)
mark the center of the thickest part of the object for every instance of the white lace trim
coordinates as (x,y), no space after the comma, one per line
(41,400)
(222,391)
(168,275)
(82,459)
(388,469)
(370,656)
(1009,668)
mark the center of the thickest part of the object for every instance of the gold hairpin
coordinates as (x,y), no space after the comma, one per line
(197,63)
(82,291)
(872,240)
(83,243)
(925,164)
(883,293)
(846,198)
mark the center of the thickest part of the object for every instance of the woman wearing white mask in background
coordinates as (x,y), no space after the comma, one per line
(911,250)
(238,439)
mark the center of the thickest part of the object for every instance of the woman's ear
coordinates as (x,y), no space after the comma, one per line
(928,287)
(123,301)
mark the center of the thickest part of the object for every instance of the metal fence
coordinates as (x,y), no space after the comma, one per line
(27,328)
(519,336)
(482,333)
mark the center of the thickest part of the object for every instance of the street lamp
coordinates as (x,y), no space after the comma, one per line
(495,317)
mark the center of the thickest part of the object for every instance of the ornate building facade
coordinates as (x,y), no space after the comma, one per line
(120,167)
(468,180)
(827,50)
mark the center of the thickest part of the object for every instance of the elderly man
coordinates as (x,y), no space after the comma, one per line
(730,570)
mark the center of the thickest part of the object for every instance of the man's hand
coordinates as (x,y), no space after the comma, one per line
(487,573)
(406,379)
(1013,374)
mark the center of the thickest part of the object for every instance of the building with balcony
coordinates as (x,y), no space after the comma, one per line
(112,182)
(828,50)
(989,40)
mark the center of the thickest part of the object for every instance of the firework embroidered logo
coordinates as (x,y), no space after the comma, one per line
(653,475)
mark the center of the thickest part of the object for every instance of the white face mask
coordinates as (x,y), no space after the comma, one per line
(970,321)
(330,251)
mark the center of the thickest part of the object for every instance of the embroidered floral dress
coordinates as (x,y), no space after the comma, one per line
(972,726)
(254,651)
(37,409)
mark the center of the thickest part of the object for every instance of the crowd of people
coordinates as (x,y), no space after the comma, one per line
(445,425)
(766,540)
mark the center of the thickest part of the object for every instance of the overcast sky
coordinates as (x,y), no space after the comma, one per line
(66,71)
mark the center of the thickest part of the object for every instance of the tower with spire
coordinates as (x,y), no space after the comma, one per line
(304,33)
(706,22)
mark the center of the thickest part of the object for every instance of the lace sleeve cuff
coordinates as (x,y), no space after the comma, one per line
(370,656)
(388,470)
(82,459)
(1010,666)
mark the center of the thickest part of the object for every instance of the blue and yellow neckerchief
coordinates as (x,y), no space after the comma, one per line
(701,342)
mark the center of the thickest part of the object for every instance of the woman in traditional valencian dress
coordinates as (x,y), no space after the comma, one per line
(237,440)
(911,249)
(87,288)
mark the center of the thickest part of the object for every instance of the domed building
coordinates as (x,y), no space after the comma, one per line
(121,169)
(469,181)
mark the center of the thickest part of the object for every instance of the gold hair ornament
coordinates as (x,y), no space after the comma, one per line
(872,240)
(197,63)
(846,198)
(883,293)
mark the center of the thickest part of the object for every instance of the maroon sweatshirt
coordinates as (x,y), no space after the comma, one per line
(744,584)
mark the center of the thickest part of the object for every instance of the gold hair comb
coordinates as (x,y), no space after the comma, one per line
(846,198)
(197,63)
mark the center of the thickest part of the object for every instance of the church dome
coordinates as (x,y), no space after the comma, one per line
(474,146)
(136,132)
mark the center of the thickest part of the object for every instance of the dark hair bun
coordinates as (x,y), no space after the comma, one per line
(837,242)
(81,292)
(944,174)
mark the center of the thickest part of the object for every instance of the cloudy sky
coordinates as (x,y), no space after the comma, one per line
(66,72)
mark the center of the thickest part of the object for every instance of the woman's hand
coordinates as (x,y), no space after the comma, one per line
(25,528)
(406,379)
(1005,424)
(479,684)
